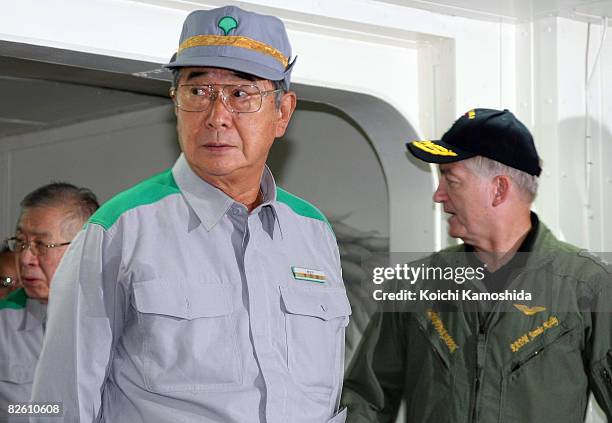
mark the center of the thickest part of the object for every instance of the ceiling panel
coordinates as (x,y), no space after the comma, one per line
(39,92)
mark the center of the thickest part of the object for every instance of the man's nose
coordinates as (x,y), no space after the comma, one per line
(27,258)
(218,115)
(440,195)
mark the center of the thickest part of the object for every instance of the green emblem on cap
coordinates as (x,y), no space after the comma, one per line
(227,23)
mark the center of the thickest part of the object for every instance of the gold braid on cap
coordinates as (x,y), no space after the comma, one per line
(236,41)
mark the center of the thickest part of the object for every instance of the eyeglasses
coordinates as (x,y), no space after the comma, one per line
(38,248)
(236,98)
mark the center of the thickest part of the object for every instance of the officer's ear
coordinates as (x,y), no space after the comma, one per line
(285,111)
(501,189)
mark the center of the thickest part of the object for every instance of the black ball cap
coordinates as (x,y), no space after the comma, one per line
(496,134)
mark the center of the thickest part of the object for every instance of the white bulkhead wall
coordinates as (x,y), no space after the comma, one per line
(409,58)
(574,129)
(430,66)
(365,46)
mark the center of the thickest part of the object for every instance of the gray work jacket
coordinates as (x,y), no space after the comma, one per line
(175,304)
(21,337)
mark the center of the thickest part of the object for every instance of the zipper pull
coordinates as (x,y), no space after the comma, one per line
(606,376)
(518,364)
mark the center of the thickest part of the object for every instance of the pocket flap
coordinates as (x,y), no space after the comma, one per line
(17,372)
(175,299)
(324,303)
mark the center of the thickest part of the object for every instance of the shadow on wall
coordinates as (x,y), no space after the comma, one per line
(585,181)
(329,160)
(585,195)
(283,146)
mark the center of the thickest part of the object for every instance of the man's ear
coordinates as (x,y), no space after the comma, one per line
(284,112)
(501,187)
(172,94)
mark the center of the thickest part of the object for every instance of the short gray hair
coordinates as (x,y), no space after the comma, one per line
(80,203)
(483,166)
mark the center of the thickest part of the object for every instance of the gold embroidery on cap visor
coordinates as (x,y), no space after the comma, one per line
(432,148)
(236,41)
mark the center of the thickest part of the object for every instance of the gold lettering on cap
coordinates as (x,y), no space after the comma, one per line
(433,148)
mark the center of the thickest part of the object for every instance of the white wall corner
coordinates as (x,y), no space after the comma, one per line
(437,89)
(546,117)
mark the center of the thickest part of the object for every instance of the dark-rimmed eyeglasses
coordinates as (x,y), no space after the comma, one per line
(236,98)
(38,248)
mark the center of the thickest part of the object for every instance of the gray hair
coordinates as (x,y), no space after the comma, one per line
(278,85)
(483,166)
(80,203)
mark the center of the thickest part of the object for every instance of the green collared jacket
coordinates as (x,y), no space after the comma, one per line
(535,362)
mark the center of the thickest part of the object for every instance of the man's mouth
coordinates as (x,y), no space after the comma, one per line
(218,147)
(30,281)
(450,216)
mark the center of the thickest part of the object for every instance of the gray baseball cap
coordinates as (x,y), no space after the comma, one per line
(232,38)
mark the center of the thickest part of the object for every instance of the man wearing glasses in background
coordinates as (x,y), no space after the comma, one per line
(50,218)
(205,293)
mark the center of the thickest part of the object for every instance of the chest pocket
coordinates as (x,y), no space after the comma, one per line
(547,371)
(20,349)
(188,336)
(315,321)
(18,373)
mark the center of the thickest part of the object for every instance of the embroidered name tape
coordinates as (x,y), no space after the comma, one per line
(442,332)
(533,334)
(309,275)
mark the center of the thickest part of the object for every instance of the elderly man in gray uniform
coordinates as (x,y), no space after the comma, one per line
(50,218)
(205,293)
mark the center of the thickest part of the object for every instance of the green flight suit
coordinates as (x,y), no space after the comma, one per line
(535,365)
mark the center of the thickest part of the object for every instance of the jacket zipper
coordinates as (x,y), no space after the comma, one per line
(480,356)
(481,347)
(606,377)
(475,398)
(520,364)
